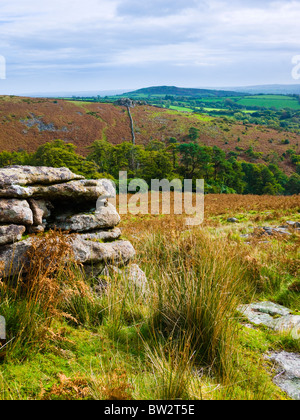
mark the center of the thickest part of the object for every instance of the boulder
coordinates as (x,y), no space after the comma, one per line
(232,220)
(292,224)
(288,324)
(279,231)
(82,189)
(90,252)
(15,191)
(85,251)
(266,307)
(271,231)
(40,210)
(36,199)
(273,316)
(30,175)
(11,233)
(15,212)
(262,313)
(102,235)
(104,218)
(288,376)
(13,257)
(77,190)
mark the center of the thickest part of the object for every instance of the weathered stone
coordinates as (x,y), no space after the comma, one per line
(104,218)
(85,252)
(137,277)
(82,189)
(90,252)
(57,198)
(16,212)
(30,175)
(102,235)
(15,191)
(36,229)
(14,257)
(280,231)
(257,318)
(40,210)
(270,308)
(262,313)
(125,102)
(271,231)
(287,324)
(246,236)
(11,233)
(232,220)
(274,231)
(288,377)
(293,224)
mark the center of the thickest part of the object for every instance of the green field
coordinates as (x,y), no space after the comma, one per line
(277,102)
(269,101)
(181,108)
(217,103)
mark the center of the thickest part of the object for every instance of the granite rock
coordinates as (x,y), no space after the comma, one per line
(11,233)
(29,175)
(16,212)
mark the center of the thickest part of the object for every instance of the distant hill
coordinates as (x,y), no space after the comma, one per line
(26,123)
(269,89)
(177,91)
(215,91)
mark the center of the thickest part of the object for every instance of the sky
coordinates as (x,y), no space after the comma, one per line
(98,45)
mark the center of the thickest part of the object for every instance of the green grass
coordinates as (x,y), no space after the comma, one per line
(268,101)
(181,108)
(179,338)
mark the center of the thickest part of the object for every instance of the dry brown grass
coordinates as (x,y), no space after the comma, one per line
(67,389)
(187,322)
(256,208)
(42,293)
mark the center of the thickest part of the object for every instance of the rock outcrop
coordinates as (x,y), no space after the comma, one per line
(281,320)
(288,372)
(36,199)
(273,316)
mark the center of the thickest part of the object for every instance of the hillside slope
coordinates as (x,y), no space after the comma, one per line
(177,91)
(26,123)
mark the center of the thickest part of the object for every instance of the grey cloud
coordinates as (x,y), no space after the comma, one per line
(149,41)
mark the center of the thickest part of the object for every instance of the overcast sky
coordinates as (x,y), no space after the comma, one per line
(76,45)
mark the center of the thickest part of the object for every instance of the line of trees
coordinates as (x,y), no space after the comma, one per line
(162,160)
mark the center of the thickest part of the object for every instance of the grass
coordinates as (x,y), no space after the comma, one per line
(180,338)
(268,101)
(181,108)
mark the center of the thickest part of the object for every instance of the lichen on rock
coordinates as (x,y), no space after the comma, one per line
(34,200)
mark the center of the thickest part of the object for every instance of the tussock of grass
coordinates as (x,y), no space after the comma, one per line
(180,338)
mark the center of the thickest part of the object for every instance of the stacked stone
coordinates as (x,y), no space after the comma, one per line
(36,199)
